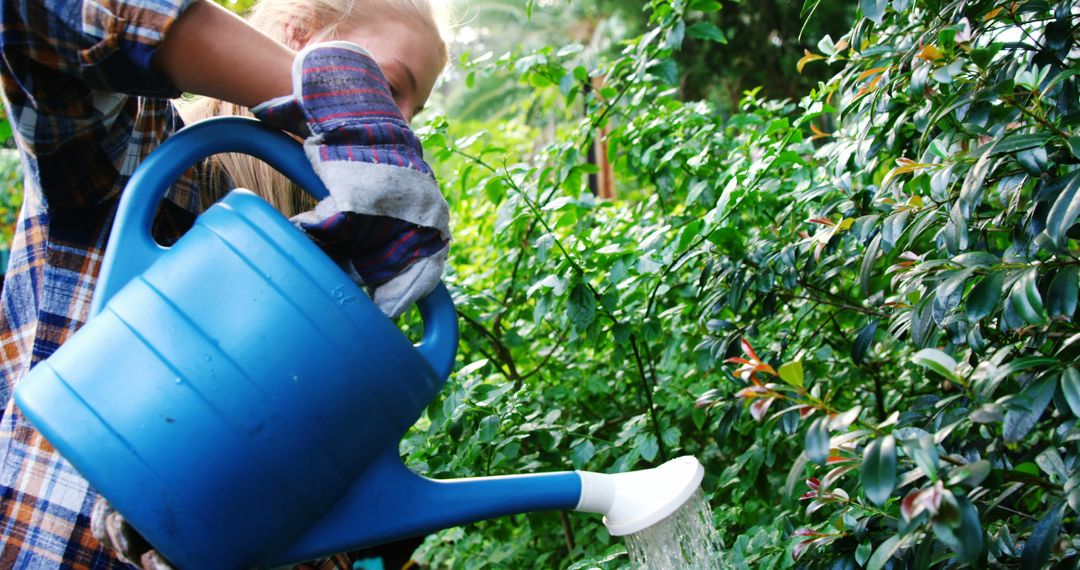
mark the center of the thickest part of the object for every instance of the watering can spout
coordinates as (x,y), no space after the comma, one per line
(390,502)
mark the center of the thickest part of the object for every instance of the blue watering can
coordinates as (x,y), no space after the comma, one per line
(240,400)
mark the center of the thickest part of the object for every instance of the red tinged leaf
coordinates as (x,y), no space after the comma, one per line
(813,483)
(919,500)
(764,368)
(814,507)
(749,350)
(834,475)
(805,532)
(801,548)
(909,507)
(751,392)
(808,495)
(759,408)
(822,221)
(707,398)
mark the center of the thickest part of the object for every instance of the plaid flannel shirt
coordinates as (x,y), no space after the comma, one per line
(86,107)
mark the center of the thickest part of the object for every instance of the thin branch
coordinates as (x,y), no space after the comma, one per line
(501,349)
(841,305)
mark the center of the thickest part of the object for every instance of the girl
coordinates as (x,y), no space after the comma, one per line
(87,87)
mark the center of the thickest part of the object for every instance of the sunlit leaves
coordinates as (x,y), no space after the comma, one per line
(792,373)
(873,285)
(874,10)
(937,361)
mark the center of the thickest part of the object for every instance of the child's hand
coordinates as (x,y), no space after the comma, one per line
(385,214)
(112,531)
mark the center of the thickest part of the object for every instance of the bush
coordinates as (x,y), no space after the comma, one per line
(865,299)
(10,201)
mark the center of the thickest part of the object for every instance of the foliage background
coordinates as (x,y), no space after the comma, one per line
(851,292)
(841,269)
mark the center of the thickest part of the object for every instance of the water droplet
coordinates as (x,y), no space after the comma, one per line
(295,378)
(179,381)
(207,357)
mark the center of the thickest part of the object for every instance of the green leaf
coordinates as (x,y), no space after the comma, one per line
(1074,145)
(1027,408)
(489,428)
(1064,211)
(892,228)
(867,268)
(1072,491)
(647,446)
(970,542)
(581,307)
(983,56)
(874,10)
(1062,296)
(976,259)
(1024,298)
(878,474)
(1040,544)
(1070,386)
(706,5)
(1019,141)
(883,553)
(970,475)
(707,31)
(792,373)
(581,453)
(863,342)
(984,296)
(922,450)
(817,441)
(862,553)
(937,361)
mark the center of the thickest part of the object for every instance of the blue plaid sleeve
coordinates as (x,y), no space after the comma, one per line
(107,44)
(72,71)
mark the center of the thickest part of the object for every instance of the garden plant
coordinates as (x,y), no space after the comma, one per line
(857,306)
(855,301)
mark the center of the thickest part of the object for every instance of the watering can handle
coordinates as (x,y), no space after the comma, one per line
(132,248)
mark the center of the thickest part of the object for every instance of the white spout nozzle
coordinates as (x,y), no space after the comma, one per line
(636,500)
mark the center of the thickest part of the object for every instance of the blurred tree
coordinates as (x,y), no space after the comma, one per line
(765,40)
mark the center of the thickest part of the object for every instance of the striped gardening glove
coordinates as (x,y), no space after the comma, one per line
(385,218)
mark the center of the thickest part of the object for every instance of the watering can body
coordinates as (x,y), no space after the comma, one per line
(227,392)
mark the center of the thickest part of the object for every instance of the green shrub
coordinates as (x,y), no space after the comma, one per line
(865,298)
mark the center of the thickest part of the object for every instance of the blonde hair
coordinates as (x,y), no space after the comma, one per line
(294,23)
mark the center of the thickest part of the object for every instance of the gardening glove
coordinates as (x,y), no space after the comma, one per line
(112,531)
(385,218)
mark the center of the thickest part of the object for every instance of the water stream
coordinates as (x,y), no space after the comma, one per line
(685,540)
